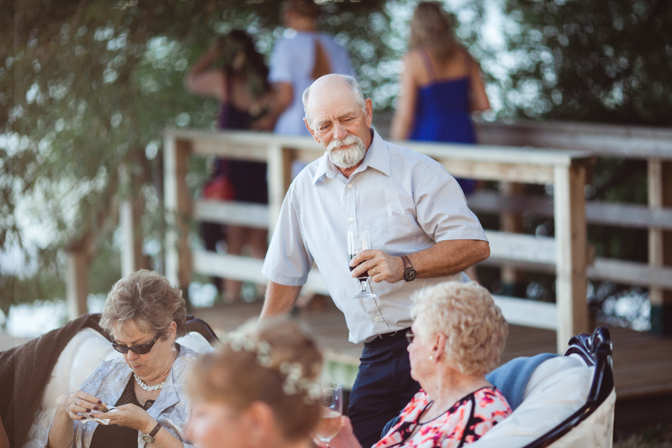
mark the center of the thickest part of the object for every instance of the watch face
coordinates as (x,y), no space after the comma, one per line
(147,438)
(409,275)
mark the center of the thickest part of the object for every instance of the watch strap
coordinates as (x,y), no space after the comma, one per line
(155,430)
(409,272)
(149,438)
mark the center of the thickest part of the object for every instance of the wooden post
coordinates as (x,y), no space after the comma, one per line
(78,253)
(510,222)
(130,216)
(77,284)
(279,178)
(660,244)
(178,210)
(571,251)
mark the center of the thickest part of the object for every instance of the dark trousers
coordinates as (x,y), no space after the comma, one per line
(383,387)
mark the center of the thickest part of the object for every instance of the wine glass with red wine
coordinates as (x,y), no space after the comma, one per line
(357,242)
(331,398)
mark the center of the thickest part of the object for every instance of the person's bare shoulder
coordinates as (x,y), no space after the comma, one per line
(414,68)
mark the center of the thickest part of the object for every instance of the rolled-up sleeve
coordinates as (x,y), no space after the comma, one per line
(288,260)
(441,208)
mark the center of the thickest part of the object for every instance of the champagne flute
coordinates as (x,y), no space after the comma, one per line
(358,242)
(331,398)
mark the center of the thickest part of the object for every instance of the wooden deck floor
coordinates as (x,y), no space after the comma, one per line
(642,362)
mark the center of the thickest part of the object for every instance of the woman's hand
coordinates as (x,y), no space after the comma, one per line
(61,432)
(129,415)
(78,403)
(344,439)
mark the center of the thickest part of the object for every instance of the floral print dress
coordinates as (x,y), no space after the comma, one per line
(464,423)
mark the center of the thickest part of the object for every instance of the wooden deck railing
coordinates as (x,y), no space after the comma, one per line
(518,163)
(653,145)
(565,170)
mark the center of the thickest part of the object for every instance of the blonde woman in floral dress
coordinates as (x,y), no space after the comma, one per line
(457,337)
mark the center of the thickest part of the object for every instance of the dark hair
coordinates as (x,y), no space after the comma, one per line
(240,58)
(306,8)
(148,300)
(432,29)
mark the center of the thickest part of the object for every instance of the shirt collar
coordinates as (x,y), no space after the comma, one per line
(377,157)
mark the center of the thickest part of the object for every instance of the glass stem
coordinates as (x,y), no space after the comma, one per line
(364,285)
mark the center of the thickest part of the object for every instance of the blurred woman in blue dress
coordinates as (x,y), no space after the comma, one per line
(441,85)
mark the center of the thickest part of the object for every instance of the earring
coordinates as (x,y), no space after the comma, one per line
(431,357)
(174,349)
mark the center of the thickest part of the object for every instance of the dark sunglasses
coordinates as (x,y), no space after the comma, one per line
(410,336)
(140,349)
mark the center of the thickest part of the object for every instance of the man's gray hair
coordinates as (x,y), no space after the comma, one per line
(356,91)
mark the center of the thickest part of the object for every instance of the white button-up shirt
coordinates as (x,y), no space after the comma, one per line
(406,200)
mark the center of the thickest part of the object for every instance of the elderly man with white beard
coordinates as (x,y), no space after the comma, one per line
(422,233)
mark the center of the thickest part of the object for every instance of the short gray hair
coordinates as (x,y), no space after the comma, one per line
(467,315)
(356,91)
(147,299)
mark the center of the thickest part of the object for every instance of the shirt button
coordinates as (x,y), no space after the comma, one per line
(352,219)
(377,319)
(349,185)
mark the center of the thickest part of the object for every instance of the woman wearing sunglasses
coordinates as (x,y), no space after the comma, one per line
(140,394)
(457,337)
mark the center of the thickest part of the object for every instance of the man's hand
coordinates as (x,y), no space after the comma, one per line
(380,266)
(443,258)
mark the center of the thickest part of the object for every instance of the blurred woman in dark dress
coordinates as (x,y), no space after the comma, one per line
(235,73)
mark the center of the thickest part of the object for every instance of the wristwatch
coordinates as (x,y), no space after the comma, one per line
(149,438)
(409,273)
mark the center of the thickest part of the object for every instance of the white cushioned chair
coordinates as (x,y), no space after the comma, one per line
(569,401)
(78,360)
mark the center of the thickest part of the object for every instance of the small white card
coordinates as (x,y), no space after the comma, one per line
(102,421)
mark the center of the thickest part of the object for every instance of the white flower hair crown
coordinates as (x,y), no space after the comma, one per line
(294,383)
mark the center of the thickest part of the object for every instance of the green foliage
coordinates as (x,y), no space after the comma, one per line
(19,289)
(595,60)
(105,268)
(88,87)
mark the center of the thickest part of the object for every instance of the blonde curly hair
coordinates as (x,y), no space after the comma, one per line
(466,314)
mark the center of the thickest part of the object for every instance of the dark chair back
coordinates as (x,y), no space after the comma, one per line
(194,323)
(201,327)
(595,350)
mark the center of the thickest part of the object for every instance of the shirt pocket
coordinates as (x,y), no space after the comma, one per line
(394,234)
(389,221)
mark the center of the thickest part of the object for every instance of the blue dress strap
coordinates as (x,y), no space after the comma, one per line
(468,61)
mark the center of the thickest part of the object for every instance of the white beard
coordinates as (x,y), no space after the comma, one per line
(348,157)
